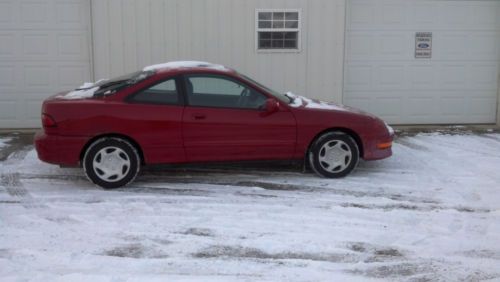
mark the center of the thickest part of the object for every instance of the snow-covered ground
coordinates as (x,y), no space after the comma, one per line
(4,141)
(429,213)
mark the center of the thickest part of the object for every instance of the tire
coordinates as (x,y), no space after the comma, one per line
(111,162)
(334,155)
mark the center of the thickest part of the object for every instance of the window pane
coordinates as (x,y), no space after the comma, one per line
(278,16)
(214,85)
(291,44)
(278,44)
(292,24)
(294,16)
(290,35)
(168,85)
(221,92)
(265,24)
(265,35)
(264,44)
(162,93)
(278,35)
(266,16)
(280,24)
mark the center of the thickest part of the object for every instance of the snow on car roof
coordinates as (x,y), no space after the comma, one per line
(186,64)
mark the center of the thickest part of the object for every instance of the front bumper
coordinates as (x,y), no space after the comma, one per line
(379,147)
(60,150)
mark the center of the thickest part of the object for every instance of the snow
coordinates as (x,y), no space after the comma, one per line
(300,101)
(389,129)
(4,141)
(429,213)
(86,90)
(185,64)
(79,93)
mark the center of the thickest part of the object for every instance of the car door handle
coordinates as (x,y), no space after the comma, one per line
(199,116)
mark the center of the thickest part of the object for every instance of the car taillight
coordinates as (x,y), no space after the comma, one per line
(48,121)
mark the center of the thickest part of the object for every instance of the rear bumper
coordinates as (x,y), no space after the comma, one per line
(60,150)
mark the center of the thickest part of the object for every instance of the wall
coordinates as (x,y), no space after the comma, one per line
(129,35)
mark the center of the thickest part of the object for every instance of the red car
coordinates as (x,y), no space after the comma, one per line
(186,112)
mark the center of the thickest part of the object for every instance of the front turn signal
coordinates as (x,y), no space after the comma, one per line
(384,145)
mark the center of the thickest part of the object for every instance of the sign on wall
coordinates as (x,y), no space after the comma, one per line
(423,45)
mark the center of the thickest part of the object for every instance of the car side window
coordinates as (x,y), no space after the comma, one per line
(162,93)
(222,92)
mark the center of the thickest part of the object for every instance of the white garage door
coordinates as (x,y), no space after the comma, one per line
(44,48)
(459,84)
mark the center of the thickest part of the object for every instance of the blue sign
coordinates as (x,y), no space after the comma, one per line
(423,45)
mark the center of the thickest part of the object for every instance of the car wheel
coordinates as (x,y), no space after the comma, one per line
(334,155)
(111,162)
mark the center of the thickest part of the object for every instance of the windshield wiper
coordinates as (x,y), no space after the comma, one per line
(290,97)
(111,83)
(110,87)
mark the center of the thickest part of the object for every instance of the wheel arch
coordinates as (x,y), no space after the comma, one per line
(111,135)
(344,130)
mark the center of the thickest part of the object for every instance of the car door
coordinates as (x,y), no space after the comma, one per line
(155,120)
(225,119)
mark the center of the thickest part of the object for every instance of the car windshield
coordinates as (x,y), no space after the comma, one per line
(110,86)
(282,97)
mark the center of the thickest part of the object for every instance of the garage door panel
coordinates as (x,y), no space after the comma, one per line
(7,41)
(8,112)
(6,12)
(31,109)
(422,77)
(35,45)
(421,107)
(44,48)
(424,14)
(70,46)
(71,13)
(390,77)
(358,77)
(7,76)
(483,76)
(38,77)
(34,12)
(452,76)
(70,76)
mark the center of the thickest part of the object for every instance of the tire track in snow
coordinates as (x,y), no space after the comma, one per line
(11,180)
(141,186)
(15,188)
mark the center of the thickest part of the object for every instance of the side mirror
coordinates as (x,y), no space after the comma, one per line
(272,106)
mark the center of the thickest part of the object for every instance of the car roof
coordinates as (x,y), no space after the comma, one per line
(177,66)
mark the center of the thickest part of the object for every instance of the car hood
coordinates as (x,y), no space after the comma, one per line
(317,105)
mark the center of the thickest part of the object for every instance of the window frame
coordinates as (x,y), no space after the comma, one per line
(223,76)
(298,30)
(179,85)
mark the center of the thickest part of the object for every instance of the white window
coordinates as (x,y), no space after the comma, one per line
(277,30)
